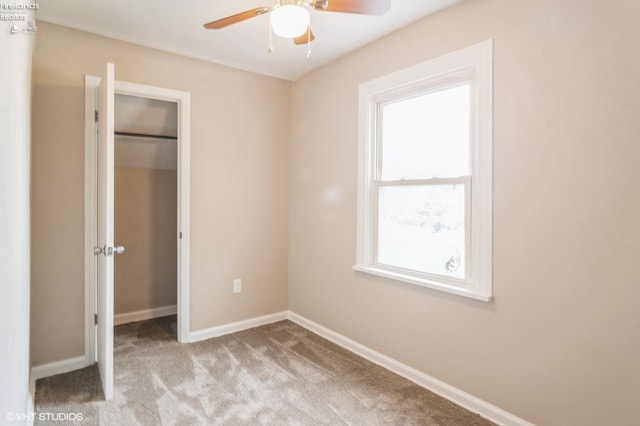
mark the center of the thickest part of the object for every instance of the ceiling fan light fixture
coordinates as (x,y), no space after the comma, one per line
(289,20)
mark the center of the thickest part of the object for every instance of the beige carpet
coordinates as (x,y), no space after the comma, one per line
(278,374)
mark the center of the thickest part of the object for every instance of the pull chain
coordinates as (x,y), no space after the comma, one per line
(309,42)
(270,38)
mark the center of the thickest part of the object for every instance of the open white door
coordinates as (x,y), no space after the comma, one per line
(105,249)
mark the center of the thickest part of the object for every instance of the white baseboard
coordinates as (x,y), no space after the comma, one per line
(468,401)
(234,327)
(147,314)
(58,367)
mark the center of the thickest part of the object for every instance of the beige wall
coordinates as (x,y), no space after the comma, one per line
(145,275)
(239,171)
(561,343)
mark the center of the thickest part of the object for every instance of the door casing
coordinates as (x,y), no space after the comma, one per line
(183,100)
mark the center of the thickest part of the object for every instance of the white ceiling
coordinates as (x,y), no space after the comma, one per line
(177,26)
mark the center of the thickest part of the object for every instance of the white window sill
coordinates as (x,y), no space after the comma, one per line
(460,291)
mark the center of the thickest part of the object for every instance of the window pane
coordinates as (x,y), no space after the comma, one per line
(422,228)
(427,136)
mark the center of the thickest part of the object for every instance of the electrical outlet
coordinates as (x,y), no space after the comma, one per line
(237,285)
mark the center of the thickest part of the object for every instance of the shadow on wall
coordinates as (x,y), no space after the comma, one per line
(146,224)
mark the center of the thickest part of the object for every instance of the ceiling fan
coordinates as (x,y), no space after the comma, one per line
(290,18)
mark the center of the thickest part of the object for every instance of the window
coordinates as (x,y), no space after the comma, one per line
(425,174)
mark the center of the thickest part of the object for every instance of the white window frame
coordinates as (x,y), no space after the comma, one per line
(474,65)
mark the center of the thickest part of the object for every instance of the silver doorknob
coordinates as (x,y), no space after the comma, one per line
(108,251)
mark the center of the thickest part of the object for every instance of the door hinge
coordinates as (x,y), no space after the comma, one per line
(180,235)
(96,115)
(95,319)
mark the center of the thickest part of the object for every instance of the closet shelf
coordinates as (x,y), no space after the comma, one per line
(144,135)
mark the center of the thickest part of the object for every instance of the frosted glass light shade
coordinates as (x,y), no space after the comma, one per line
(289,20)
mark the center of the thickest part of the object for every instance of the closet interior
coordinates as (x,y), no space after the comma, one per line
(145,208)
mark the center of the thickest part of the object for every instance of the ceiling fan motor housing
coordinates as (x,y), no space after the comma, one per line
(319,4)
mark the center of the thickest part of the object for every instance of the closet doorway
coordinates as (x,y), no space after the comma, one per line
(151,170)
(145,208)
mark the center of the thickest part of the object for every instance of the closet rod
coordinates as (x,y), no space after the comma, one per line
(144,135)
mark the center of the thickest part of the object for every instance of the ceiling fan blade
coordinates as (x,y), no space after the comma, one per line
(238,17)
(305,38)
(362,7)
